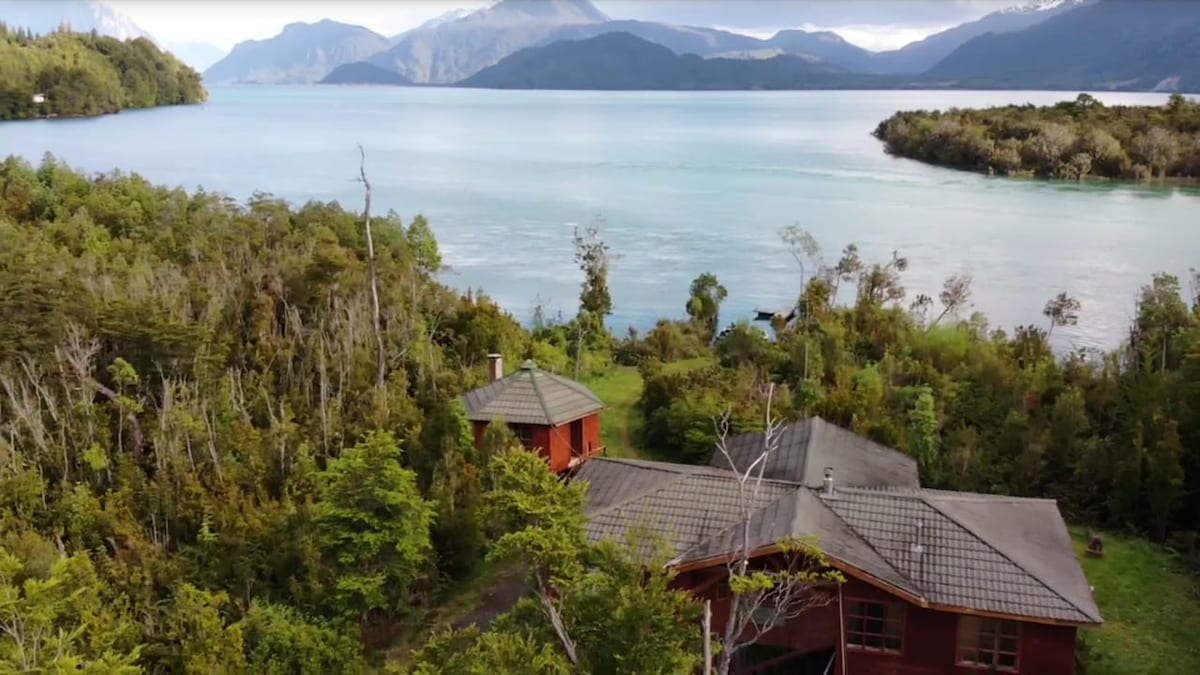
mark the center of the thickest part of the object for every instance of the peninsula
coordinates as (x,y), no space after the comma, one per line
(1070,140)
(64,74)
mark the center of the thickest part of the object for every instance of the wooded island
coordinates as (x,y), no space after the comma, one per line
(66,74)
(1070,140)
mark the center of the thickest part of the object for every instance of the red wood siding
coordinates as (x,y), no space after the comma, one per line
(930,636)
(554,443)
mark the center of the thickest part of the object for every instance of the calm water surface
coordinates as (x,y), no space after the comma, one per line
(684,182)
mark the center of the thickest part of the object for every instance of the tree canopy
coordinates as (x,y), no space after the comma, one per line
(78,74)
(1072,139)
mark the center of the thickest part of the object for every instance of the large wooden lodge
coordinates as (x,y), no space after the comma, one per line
(937,582)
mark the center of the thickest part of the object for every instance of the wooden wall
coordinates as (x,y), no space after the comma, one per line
(930,636)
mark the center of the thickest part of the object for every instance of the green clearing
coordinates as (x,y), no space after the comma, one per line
(621,422)
(1151,609)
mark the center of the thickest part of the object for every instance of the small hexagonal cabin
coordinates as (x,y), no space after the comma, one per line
(553,415)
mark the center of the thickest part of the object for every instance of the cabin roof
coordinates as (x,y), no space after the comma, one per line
(531,396)
(805,449)
(986,553)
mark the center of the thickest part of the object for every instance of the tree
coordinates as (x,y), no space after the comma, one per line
(704,303)
(205,643)
(596,609)
(372,528)
(59,623)
(593,257)
(376,322)
(280,641)
(772,591)
(1164,476)
(956,292)
(1062,310)
(807,253)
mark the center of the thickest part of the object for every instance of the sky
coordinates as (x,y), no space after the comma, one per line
(873,24)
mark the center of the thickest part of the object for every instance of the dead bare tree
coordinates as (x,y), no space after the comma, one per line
(376,321)
(787,584)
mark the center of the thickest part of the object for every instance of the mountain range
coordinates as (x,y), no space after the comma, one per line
(1055,44)
(457,47)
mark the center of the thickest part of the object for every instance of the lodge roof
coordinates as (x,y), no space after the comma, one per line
(985,553)
(531,396)
(805,449)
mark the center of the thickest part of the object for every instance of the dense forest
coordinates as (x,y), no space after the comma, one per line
(1070,140)
(230,435)
(88,74)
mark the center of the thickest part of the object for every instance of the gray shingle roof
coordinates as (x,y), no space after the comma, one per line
(980,552)
(531,396)
(806,448)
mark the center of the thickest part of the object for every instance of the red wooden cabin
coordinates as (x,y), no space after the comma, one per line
(938,582)
(553,415)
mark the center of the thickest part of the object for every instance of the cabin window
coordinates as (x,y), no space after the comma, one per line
(875,626)
(524,433)
(990,643)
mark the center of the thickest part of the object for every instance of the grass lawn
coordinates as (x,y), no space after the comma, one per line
(1151,609)
(621,422)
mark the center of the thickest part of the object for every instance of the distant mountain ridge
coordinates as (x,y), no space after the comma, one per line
(621,61)
(362,72)
(1106,44)
(920,56)
(301,53)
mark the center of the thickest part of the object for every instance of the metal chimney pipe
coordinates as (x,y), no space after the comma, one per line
(495,366)
(827,490)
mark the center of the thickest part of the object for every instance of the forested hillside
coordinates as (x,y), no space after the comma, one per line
(216,456)
(87,74)
(1072,139)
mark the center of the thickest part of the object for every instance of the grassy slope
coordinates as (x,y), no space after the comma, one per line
(1151,610)
(621,423)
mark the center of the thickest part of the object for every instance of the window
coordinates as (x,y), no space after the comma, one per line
(990,643)
(875,626)
(524,433)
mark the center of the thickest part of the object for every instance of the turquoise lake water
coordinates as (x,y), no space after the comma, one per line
(684,182)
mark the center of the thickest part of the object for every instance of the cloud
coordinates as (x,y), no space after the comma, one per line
(881,38)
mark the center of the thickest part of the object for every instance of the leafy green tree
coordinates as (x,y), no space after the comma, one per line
(593,257)
(372,528)
(598,609)
(204,642)
(1062,310)
(59,622)
(704,303)
(281,641)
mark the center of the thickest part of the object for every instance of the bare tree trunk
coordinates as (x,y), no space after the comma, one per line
(708,660)
(381,358)
(556,621)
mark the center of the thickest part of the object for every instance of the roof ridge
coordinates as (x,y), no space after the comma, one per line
(537,390)
(1007,557)
(923,492)
(812,425)
(920,591)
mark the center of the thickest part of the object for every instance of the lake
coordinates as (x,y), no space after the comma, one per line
(684,183)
